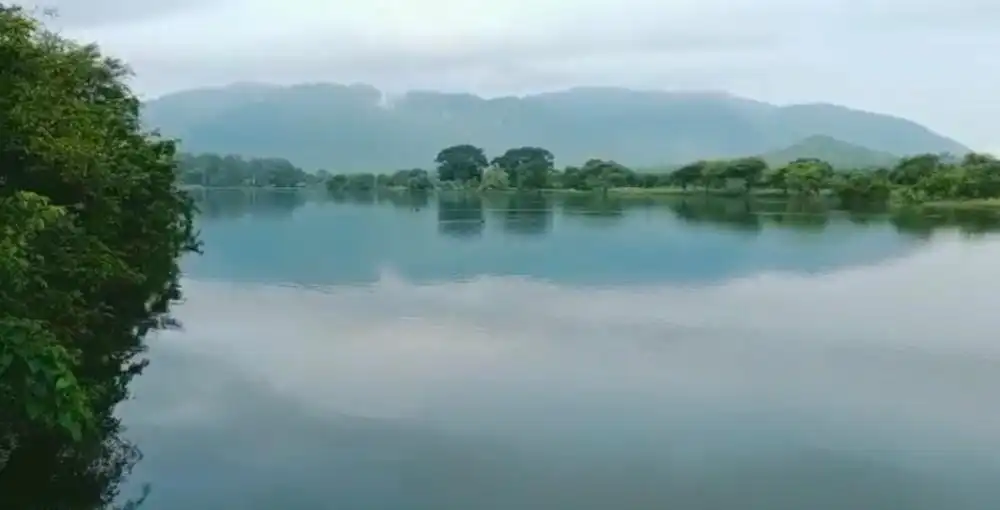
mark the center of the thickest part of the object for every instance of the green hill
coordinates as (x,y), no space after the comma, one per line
(838,153)
(356,128)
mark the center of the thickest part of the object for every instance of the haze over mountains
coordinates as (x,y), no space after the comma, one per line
(356,128)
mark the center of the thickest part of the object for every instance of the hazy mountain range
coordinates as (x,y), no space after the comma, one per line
(838,153)
(357,128)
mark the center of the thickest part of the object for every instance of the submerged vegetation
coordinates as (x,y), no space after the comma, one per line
(92,224)
(922,178)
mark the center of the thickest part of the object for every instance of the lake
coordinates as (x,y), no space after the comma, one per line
(457,352)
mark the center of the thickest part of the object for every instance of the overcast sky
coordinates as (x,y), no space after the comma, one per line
(933,61)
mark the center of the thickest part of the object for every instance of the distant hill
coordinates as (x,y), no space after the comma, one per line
(838,153)
(355,128)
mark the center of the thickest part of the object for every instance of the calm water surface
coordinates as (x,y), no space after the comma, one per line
(529,353)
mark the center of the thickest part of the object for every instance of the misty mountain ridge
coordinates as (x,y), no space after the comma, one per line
(838,153)
(347,128)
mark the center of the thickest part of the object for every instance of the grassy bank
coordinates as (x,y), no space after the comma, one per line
(658,191)
(199,187)
(975,203)
(691,191)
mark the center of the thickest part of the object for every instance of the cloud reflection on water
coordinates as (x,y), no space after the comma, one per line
(870,387)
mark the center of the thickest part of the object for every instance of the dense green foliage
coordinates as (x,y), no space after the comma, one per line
(92,224)
(415,179)
(921,178)
(213,170)
(357,129)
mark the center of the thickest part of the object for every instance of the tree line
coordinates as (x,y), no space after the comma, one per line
(232,171)
(920,178)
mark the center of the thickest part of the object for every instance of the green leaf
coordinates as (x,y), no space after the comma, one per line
(62,383)
(33,408)
(72,426)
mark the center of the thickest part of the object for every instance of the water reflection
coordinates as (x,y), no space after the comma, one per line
(740,215)
(867,388)
(363,197)
(355,237)
(236,203)
(529,213)
(460,215)
(595,209)
(463,215)
(412,200)
(923,223)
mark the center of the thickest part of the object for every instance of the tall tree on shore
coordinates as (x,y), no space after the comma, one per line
(749,170)
(527,167)
(688,174)
(461,163)
(92,225)
(807,176)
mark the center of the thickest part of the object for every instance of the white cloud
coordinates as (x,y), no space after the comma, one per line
(869,377)
(830,345)
(934,61)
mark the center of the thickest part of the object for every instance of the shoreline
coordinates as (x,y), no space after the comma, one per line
(622,192)
(976,203)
